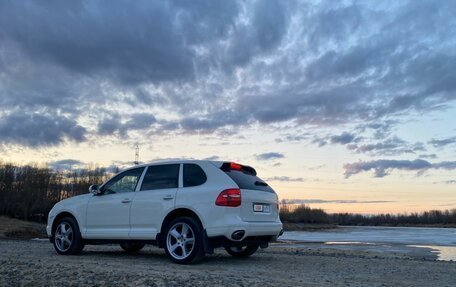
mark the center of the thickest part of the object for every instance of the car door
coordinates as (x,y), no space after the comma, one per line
(108,214)
(153,201)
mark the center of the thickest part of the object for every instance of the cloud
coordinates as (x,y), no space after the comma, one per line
(339,201)
(113,123)
(143,41)
(343,138)
(37,130)
(442,142)
(362,144)
(285,179)
(202,66)
(430,156)
(383,167)
(65,164)
(269,156)
(451,181)
(214,157)
(390,146)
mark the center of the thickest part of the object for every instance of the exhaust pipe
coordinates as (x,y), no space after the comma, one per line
(238,234)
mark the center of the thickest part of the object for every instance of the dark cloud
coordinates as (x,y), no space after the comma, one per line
(285,179)
(391,146)
(383,167)
(141,41)
(212,65)
(341,201)
(263,33)
(442,142)
(113,123)
(37,130)
(269,156)
(381,130)
(343,138)
(371,146)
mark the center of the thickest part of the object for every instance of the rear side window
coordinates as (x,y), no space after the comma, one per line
(193,175)
(248,181)
(161,177)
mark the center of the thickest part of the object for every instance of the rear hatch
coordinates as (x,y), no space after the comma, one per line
(259,200)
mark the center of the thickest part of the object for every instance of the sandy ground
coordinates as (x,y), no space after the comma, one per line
(34,263)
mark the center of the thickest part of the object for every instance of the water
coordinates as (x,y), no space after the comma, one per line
(441,241)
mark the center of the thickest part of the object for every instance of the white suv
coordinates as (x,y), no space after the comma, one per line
(188,207)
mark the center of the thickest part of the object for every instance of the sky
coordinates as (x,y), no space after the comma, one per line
(343,105)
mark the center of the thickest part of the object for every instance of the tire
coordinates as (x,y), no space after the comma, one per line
(241,252)
(67,237)
(184,240)
(132,247)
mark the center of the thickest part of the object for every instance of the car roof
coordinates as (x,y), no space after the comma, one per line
(175,161)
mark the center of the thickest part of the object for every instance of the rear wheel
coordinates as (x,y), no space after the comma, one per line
(241,251)
(67,238)
(132,247)
(184,244)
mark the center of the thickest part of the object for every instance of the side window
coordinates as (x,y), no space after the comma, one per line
(193,175)
(124,182)
(161,176)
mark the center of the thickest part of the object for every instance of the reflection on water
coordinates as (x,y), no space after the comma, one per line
(444,253)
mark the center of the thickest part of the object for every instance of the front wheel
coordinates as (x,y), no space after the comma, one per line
(67,238)
(184,243)
(241,251)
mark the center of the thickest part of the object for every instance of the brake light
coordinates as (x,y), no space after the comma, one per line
(230,166)
(235,166)
(229,197)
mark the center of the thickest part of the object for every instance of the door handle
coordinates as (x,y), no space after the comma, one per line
(126,200)
(168,197)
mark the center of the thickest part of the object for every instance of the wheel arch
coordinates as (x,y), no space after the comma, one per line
(180,212)
(175,213)
(61,215)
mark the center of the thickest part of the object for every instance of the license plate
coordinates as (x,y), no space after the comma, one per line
(261,207)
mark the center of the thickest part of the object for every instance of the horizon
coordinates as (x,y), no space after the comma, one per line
(349,107)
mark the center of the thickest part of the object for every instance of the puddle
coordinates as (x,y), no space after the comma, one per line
(444,253)
(348,243)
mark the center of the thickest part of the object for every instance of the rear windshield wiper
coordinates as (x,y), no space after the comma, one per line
(261,183)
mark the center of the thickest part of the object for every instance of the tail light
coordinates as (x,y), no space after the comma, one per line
(229,197)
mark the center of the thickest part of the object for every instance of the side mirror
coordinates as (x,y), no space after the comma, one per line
(95,189)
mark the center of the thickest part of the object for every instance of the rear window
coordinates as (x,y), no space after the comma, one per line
(193,175)
(161,177)
(248,181)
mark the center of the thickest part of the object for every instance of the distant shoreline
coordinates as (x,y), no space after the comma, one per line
(290,226)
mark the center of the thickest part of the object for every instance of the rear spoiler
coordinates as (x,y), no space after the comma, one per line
(229,166)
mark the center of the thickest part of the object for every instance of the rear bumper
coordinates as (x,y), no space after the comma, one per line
(251,229)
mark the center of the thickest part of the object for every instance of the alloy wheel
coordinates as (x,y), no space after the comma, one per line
(63,236)
(180,240)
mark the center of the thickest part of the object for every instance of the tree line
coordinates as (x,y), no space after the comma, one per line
(305,214)
(29,192)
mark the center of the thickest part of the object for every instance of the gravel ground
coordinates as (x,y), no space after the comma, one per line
(34,263)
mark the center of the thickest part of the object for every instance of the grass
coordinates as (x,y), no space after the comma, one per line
(18,229)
